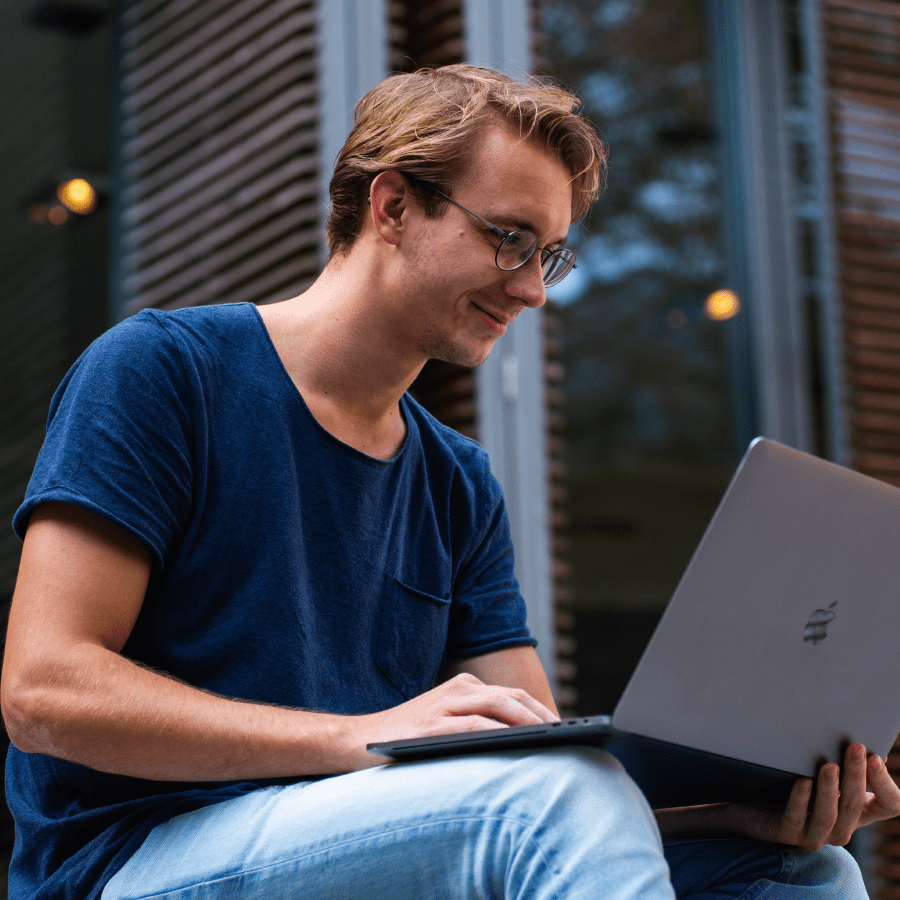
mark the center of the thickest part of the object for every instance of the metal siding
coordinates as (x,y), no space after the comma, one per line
(218,159)
(862,67)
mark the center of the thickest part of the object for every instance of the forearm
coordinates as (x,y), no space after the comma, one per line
(697,821)
(103,711)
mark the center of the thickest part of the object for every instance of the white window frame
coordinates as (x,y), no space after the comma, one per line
(750,79)
(510,386)
(353,58)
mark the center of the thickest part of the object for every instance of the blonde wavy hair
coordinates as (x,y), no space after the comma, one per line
(425,123)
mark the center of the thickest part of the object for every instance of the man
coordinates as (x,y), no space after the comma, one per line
(249,553)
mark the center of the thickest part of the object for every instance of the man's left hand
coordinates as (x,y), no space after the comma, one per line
(862,794)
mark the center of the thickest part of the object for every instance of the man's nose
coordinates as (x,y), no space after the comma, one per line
(527,283)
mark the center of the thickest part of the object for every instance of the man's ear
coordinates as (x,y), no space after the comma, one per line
(389,200)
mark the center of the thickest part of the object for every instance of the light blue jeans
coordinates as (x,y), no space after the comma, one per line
(567,824)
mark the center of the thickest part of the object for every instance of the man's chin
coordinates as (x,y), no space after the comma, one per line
(458,355)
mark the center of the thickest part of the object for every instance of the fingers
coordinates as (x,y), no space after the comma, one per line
(464,703)
(475,723)
(842,803)
(508,706)
(852,802)
(512,703)
(885,800)
(793,820)
(824,814)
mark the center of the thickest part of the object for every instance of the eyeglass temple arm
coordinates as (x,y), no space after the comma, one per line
(498,231)
(545,253)
(494,228)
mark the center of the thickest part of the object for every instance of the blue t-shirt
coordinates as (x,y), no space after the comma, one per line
(288,567)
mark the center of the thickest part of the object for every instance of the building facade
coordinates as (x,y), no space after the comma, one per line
(754,150)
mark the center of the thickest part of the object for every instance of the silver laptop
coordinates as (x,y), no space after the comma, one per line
(778,648)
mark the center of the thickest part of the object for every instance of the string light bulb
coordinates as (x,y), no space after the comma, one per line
(77,195)
(722,305)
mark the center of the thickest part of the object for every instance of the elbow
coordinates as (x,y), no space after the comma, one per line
(21,704)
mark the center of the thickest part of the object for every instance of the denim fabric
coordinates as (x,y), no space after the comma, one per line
(567,823)
(738,869)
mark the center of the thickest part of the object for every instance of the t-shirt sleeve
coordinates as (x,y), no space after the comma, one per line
(488,608)
(119,436)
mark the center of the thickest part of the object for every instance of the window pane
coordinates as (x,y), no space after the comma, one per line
(646,342)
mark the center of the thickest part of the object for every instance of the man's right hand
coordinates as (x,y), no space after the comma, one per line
(464,703)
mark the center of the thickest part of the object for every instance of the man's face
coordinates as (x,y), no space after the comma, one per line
(461,302)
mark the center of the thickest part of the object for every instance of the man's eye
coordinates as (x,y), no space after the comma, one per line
(519,245)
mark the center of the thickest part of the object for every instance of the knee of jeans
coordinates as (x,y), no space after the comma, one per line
(586,763)
(591,778)
(833,870)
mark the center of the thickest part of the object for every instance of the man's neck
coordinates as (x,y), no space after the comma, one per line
(338,350)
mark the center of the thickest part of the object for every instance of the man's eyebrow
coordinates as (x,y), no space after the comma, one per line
(524,225)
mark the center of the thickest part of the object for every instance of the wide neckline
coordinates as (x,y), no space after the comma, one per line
(288,384)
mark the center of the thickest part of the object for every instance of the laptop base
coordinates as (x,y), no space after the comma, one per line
(668,774)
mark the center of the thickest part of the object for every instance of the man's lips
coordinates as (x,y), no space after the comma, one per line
(495,321)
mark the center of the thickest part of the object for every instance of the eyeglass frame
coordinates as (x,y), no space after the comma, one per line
(505,236)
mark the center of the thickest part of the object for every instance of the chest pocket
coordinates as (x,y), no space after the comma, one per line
(412,637)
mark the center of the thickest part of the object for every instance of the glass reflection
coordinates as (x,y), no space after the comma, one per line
(649,438)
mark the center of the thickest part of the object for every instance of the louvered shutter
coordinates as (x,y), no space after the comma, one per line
(428,33)
(431,34)
(218,159)
(863,58)
(862,39)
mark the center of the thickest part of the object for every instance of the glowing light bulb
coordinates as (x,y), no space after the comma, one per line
(722,305)
(78,195)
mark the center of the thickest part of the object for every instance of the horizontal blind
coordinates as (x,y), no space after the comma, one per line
(218,156)
(862,47)
(426,33)
(430,34)
(863,66)
(567,675)
(558,471)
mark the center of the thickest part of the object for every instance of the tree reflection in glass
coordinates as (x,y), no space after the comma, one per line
(650,437)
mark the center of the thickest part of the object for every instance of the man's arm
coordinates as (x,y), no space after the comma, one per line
(68,692)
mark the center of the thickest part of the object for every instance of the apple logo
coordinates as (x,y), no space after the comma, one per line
(815,630)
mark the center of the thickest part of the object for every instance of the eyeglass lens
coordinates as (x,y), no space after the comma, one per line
(516,249)
(559,264)
(519,246)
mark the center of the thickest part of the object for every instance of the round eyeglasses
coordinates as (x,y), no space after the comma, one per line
(517,247)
